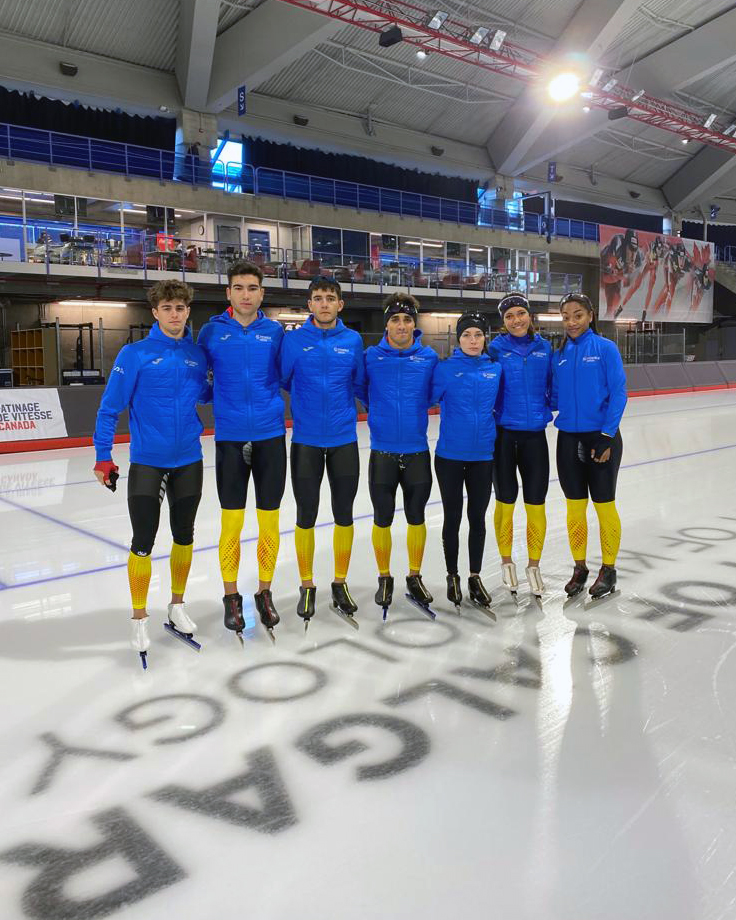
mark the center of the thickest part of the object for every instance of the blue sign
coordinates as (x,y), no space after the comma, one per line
(241,100)
(552,171)
(714,209)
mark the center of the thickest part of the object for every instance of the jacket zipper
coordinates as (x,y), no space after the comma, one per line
(324,385)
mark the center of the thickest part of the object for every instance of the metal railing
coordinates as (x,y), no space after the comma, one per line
(57,149)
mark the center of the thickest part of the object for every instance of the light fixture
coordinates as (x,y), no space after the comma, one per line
(607,87)
(597,74)
(69,70)
(549,317)
(31,200)
(563,86)
(685,140)
(586,95)
(437,151)
(476,249)
(709,120)
(421,55)
(730,129)
(432,245)
(438,20)
(163,108)
(586,109)
(300,120)
(295,317)
(92,303)
(478,36)
(637,95)
(412,243)
(499,37)
(446,315)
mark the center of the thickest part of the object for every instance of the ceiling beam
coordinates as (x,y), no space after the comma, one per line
(700,179)
(195,49)
(260,45)
(593,27)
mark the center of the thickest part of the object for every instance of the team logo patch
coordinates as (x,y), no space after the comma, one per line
(190,363)
(341,351)
(157,360)
(309,347)
(489,375)
(224,337)
(562,361)
(539,354)
(118,370)
(588,359)
(263,338)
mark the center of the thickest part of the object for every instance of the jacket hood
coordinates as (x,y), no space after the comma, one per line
(311,328)
(160,336)
(459,355)
(520,344)
(228,320)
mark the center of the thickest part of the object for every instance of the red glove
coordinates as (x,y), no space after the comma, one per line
(109,473)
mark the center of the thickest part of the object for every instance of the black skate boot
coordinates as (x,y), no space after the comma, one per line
(479,597)
(305,607)
(385,594)
(418,595)
(605,583)
(234,618)
(454,594)
(343,603)
(577,582)
(267,611)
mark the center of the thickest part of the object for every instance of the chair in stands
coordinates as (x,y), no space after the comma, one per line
(451,280)
(309,269)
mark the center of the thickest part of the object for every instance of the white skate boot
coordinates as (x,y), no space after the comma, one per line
(508,574)
(181,626)
(139,639)
(534,577)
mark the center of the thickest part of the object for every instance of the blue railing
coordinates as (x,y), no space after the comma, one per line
(54,148)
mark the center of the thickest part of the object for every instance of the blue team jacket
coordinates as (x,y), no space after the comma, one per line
(248,405)
(466,389)
(159,380)
(588,385)
(523,404)
(399,387)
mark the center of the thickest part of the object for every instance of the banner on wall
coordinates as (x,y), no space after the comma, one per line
(655,277)
(27,415)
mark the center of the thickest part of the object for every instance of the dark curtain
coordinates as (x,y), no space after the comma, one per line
(722,235)
(599,215)
(73,118)
(349,168)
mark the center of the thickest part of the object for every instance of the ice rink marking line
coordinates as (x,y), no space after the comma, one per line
(283,533)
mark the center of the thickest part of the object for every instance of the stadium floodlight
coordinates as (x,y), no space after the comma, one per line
(607,87)
(498,39)
(596,78)
(637,96)
(479,36)
(563,87)
(709,120)
(730,129)
(438,20)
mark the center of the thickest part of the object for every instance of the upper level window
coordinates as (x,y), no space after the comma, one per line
(227,169)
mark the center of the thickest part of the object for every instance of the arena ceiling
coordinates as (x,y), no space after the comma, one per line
(162,55)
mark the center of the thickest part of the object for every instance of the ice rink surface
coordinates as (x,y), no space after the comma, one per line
(564,763)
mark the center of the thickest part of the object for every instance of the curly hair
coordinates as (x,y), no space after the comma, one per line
(170,290)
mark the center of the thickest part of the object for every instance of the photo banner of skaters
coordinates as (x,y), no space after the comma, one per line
(655,278)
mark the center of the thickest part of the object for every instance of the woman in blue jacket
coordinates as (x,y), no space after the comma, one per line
(466,386)
(522,414)
(159,380)
(399,380)
(322,367)
(589,392)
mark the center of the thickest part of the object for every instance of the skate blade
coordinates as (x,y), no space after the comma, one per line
(483,609)
(271,635)
(239,634)
(306,624)
(184,637)
(385,613)
(574,599)
(592,602)
(144,660)
(346,617)
(427,610)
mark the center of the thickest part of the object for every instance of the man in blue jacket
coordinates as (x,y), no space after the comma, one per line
(322,367)
(159,380)
(242,348)
(399,378)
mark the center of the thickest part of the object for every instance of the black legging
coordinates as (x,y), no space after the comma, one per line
(579,474)
(386,472)
(234,461)
(477,476)
(307,469)
(147,486)
(527,451)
